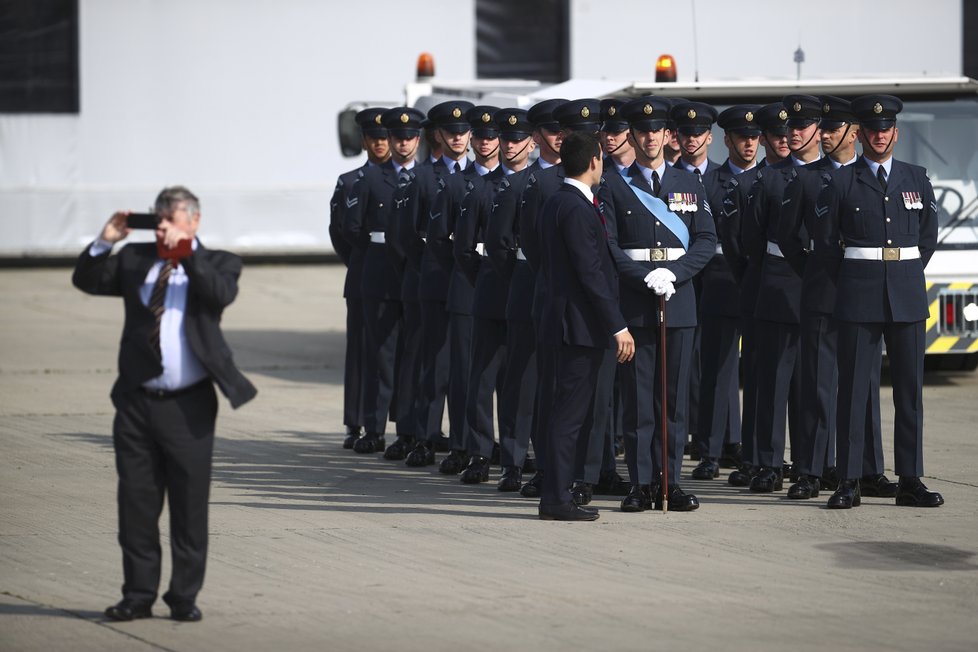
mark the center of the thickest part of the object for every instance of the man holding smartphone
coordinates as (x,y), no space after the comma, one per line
(172,353)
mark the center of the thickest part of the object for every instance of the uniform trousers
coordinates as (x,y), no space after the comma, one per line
(596,445)
(859,346)
(353,365)
(382,320)
(460,357)
(518,396)
(719,419)
(434,366)
(163,447)
(408,408)
(778,368)
(488,368)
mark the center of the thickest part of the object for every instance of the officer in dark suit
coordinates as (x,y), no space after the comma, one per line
(377,146)
(578,319)
(883,214)
(719,308)
(772,119)
(171,355)
(366,223)
(661,234)
(517,395)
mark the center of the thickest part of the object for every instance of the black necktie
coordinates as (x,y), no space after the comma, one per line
(881,177)
(656,186)
(458,168)
(157,300)
(697,171)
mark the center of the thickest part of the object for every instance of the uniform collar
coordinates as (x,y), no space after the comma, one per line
(585,190)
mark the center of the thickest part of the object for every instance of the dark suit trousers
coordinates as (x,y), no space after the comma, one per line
(777,360)
(164,447)
(575,370)
(408,406)
(434,365)
(353,367)
(596,436)
(460,356)
(485,377)
(383,324)
(518,396)
(859,347)
(719,419)
(748,363)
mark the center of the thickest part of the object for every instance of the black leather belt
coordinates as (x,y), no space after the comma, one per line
(168,393)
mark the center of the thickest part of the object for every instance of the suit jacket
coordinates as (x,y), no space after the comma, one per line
(747,271)
(213,285)
(720,294)
(854,211)
(371,211)
(540,186)
(352,256)
(581,298)
(438,261)
(471,227)
(503,241)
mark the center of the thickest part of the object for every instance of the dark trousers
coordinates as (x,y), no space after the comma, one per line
(434,366)
(859,346)
(748,365)
(353,365)
(642,403)
(518,396)
(695,380)
(382,320)
(719,420)
(777,362)
(488,368)
(163,447)
(408,409)
(460,357)
(569,399)
(596,444)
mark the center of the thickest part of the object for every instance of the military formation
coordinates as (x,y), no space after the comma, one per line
(786,268)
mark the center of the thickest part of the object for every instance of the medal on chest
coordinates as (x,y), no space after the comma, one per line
(912,201)
(683,202)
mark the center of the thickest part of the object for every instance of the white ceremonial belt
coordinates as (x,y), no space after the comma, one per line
(480,248)
(519,254)
(378,237)
(882,253)
(719,249)
(655,254)
(774,249)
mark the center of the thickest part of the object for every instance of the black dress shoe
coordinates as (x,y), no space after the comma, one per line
(568,512)
(477,471)
(911,492)
(531,488)
(806,487)
(511,479)
(423,454)
(454,463)
(186,613)
(639,499)
(442,444)
(581,493)
(352,435)
(766,481)
(707,469)
(610,483)
(830,479)
(790,471)
(127,610)
(731,457)
(679,500)
(877,486)
(400,448)
(369,443)
(529,465)
(846,496)
(741,477)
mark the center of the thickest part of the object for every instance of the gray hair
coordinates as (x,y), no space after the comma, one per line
(168,199)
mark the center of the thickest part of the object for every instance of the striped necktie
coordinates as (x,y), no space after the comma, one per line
(157,300)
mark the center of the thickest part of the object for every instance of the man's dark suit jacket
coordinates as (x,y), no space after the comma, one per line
(213,285)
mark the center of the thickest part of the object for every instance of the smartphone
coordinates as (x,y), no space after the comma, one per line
(183,249)
(142,220)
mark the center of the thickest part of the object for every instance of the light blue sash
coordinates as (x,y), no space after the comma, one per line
(658,208)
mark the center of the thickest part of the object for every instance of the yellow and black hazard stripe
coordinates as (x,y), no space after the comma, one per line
(938,342)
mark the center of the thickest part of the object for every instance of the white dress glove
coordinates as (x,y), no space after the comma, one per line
(667,288)
(658,276)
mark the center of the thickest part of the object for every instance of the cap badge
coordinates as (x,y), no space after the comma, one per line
(797,107)
(456,112)
(877,108)
(647,109)
(486,117)
(585,112)
(749,116)
(691,114)
(404,118)
(512,120)
(612,110)
(377,118)
(826,108)
(783,115)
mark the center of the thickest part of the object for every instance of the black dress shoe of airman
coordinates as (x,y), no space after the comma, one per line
(352,435)
(610,483)
(911,492)
(877,486)
(639,499)
(531,488)
(581,493)
(679,500)
(741,477)
(127,610)
(766,481)
(511,479)
(477,471)
(568,512)
(423,454)
(805,488)
(400,448)
(186,613)
(529,465)
(454,463)
(846,496)
(830,479)
(731,457)
(371,442)
(707,469)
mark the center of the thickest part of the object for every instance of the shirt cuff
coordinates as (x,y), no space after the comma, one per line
(624,330)
(99,247)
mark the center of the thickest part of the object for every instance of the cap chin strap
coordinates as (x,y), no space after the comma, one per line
(697,150)
(547,143)
(841,140)
(620,145)
(510,159)
(807,142)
